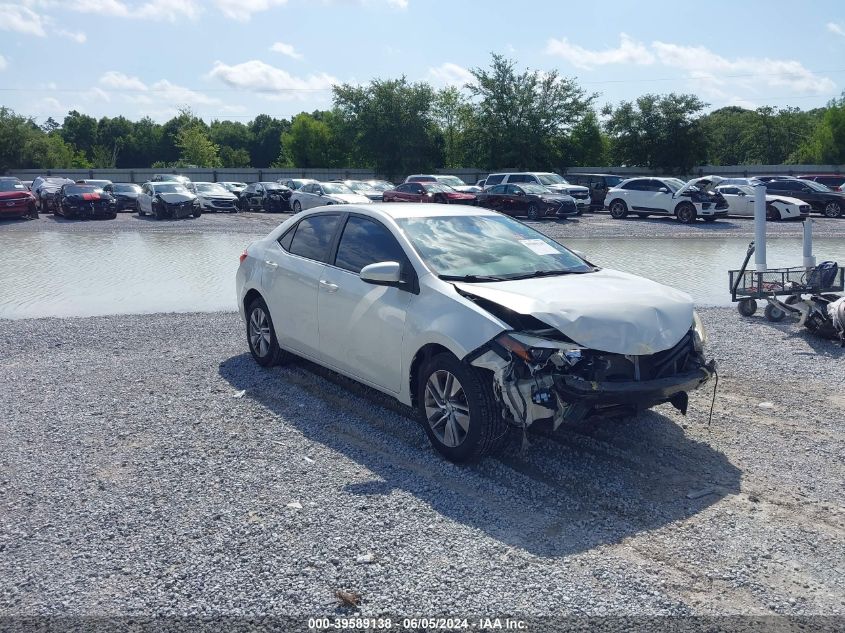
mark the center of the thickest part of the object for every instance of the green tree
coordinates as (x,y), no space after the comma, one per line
(454,115)
(308,142)
(523,119)
(195,148)
(390,125)
(826,144)
(658,131)
(587,146)
(15,131)
(50,151)
(267,139)
(80,131)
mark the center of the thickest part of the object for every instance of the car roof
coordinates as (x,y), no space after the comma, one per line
(399,210)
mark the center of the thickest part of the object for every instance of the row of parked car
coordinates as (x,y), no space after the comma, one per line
(535,195)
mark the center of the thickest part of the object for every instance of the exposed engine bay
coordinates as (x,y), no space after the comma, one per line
(540,373)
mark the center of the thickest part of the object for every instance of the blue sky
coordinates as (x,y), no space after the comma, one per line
(238,58)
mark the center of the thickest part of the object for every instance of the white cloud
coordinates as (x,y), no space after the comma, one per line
(21,19)
(258,76)
(629,51)
(286,49)
(162,91)
(242,10)
(120,81)
(161,10)
(836,29)
(77,36)
(4,64)
(450,74)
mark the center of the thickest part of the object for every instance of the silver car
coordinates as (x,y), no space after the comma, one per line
(479,321)
(318,194)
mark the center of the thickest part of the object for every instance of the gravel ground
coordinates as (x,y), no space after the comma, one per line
(589,225)
(147,465)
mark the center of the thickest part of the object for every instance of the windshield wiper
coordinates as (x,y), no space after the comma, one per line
(549,273)
(472,278)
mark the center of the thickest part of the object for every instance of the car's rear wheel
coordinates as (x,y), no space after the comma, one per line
(832,210)
(459,410)
(618,209)
(685,213)
(197,213)
(261,336)
(297,207)
(533,212)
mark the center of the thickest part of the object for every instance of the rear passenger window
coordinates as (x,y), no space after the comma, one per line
(313,237)
(494,180)
(634,185)
(520,178)
(286,239)
(366,242)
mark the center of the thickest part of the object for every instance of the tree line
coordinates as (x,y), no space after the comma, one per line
(503,117)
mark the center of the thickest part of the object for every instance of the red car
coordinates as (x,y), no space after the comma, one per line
(427,192)
(16,200)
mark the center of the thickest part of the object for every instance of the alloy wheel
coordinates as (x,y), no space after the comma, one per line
(446,408)
(259,332)
(832,210)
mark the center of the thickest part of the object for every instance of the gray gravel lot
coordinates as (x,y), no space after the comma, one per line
(589,225)
(135,480)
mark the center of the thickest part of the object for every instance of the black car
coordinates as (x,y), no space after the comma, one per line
(125,195)
(833,182)
(85,201)
(266,196)
(528,199)
(821,199)
(46,191)
(598,184)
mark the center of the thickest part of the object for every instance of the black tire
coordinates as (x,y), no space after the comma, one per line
(618,209)
(685,212)
(157,214)
(256,333)
(197,213)
(772,213)
(244,204)
(297,207)
(774,314)
(747,307)
(533,212)
(33,212)
(832,210)
(112,216)
(487,430)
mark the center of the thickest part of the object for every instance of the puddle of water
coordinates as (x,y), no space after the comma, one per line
(66,274)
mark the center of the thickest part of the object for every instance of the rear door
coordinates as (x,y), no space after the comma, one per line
(145,200)
(361,325)
(291,276)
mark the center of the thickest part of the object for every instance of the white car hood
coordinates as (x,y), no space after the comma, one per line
(607,310)
(773,197)
(351,198)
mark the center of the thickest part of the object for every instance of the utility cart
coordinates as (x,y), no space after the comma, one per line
(747,286)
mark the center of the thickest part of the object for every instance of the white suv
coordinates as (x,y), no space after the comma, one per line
(664,196)
(555,182)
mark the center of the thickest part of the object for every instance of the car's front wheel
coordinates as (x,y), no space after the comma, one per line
(297,207)
(618,209)
(772,213)
(686,213)
(832,210)
(533,212)
(261,336)
(459,410)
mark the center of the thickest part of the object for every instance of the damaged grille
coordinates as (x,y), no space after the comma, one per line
(605,367)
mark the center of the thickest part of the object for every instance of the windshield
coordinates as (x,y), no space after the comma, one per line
(98,183)
(381,186)
(436,187)
(211,188)
(531,188)
(71,190)
(336,187)
(170,187)
(360,186)
(486,245)
(452,181)
(612,181)
(126,188)
(273,186)
(817,186)
(746,189)
(551,179)
(674,184)
(11,185)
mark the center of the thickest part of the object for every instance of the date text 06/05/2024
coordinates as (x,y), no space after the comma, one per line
(444,624)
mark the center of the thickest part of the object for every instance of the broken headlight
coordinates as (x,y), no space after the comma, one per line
(536,350)
(699,334)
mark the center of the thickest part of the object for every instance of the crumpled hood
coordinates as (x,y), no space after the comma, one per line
(351,198)
(607,310)
(176,198)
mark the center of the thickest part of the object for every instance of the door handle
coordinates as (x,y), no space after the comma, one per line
(270,263)
(328,286)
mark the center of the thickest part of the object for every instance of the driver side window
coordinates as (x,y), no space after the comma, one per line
(366,242)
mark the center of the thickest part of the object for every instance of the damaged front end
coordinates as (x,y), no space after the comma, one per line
(541,374)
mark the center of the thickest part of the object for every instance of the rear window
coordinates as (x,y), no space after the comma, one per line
(313,237)
(494,179)
(11,185)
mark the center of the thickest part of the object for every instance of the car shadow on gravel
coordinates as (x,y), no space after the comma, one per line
(573,490)
(722,224)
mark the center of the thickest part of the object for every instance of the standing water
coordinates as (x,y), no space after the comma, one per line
(46,274)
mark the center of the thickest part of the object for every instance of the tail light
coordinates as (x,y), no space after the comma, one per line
(243,257)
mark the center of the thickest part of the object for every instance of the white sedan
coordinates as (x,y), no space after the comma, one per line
(740,199)
(479,321)
(213,196)
(318,194)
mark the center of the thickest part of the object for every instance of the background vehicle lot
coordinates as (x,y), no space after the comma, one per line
(137,491)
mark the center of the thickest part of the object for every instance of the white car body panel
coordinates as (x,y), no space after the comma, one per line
(744,205)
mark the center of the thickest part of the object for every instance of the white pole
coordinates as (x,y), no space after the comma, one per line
(760,227)
(809,260)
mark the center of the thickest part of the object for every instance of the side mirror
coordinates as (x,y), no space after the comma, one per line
(742,193)
(520,193)
(382,273)
(663,190)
